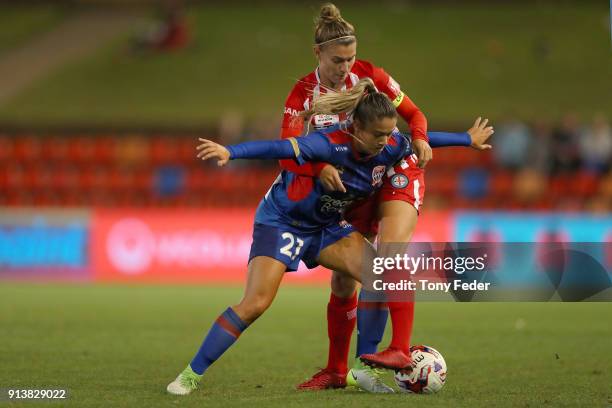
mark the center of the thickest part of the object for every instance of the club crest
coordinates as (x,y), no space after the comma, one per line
(377,174)
(399,181)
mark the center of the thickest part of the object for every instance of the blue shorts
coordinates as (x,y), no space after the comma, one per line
(291,245)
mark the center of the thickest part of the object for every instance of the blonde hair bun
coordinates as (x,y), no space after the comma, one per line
(329,13)
(330,25)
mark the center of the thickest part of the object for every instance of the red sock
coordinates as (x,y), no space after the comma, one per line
(402,317)
(341,320)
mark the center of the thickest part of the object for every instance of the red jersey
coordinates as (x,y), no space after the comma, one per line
(310,86)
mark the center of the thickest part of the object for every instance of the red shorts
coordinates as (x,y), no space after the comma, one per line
(405,182)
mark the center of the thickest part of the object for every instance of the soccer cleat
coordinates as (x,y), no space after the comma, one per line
(186,382)
(323,380)
(367,378)
(391,358)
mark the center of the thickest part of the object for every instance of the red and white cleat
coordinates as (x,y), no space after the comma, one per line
(324,380)
(392,359)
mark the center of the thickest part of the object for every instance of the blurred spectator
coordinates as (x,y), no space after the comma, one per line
(231,126)
(512,141)
(598,205)
(539,155)
(596,145)
(260,128)
(529,186)
(474,183)
(170,181)
(541,48)
(170,33)
(132,149)
(605,186)
(566,155)
(263,128)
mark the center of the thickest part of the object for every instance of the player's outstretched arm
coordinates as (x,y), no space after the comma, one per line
(312,147)
(475,137)
(259,149)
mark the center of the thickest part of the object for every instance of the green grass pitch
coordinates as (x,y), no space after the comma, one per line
(120,346)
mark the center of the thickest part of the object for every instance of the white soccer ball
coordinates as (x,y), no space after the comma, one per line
(428,372)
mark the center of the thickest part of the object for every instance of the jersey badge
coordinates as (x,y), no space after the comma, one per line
(377,174)
(399,181)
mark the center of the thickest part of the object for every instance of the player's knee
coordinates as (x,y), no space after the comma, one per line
(342,286)
(254,307)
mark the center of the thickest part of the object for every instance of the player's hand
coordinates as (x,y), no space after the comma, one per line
(330,178)
(423,151)
(211,150)
(479,133)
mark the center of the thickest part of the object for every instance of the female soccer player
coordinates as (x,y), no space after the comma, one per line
(310,229)
(396,205)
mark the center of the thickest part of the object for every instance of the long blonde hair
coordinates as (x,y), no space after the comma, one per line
(362,100)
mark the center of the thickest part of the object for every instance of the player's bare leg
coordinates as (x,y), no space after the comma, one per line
(368,314)
(348,256)
(398,220)
(264,278)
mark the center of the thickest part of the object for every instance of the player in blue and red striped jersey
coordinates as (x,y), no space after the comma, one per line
(396,205)
(310,229)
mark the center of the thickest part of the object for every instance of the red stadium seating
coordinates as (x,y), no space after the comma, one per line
(112,170)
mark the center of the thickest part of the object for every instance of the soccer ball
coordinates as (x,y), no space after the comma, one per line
(428,372)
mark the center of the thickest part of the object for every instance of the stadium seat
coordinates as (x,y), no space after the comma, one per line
(501,184)
(81,149)
(27,148)
(104,148)
(164,150)
(187,149)
(7,148)
(55,148)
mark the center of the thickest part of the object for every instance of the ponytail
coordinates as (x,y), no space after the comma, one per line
(363,100)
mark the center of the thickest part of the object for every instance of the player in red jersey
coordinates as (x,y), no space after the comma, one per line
(395,206)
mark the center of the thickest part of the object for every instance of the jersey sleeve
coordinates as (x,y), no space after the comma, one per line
(441,139)
(293,126)
(403,104)
(312,147)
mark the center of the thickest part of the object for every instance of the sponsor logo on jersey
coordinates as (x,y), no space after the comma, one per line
(394,86)
(377,174)
(344,224)
(399,181)
(291,111)
(341,148)
(333,205)
(322,121)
